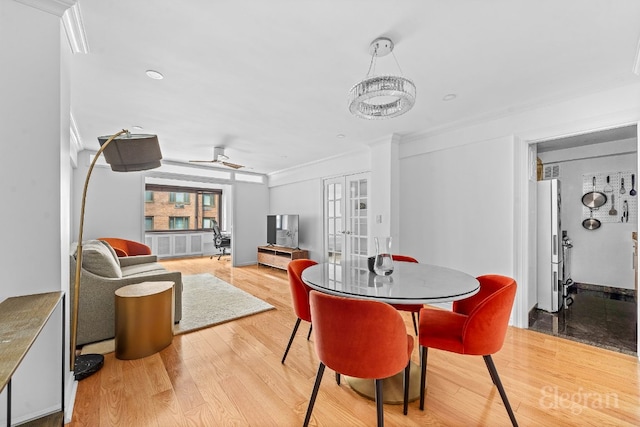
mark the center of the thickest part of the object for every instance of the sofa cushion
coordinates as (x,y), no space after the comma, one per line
(99,258)
(140,269)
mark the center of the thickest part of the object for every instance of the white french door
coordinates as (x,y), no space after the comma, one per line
(346,217)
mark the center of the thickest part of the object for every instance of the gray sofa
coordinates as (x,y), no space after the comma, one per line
(101,274)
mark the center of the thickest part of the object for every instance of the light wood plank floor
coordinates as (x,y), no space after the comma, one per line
(231,375)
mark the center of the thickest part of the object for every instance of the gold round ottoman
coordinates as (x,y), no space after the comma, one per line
(144,319)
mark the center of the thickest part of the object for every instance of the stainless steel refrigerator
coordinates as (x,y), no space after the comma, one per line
(549,243)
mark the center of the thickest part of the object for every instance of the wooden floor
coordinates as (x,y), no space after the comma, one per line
(231,375)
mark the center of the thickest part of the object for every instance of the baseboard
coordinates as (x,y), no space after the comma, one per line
(604,288)
(533,315)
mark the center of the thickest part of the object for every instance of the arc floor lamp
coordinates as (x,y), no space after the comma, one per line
(124,152)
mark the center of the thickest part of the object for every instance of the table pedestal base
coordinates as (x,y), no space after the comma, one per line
(392,389)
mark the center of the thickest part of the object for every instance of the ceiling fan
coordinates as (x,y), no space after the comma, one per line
(220,158)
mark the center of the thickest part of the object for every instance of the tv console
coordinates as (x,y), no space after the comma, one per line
(279,256)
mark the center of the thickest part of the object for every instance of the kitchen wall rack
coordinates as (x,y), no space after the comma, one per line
(616,179)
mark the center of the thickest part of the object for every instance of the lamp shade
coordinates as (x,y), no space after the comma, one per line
(130,153)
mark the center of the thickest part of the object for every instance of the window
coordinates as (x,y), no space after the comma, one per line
(170,207)
(208,222)
(178,223)
(208,201)
(179,198)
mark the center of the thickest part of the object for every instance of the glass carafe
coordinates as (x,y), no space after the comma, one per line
(383,264)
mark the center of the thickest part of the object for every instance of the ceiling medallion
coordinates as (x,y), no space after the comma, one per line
(381,97)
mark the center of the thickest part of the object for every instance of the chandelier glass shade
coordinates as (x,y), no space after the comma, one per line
(381,97)
(384,96)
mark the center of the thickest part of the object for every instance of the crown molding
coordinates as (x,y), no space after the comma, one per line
(55,7)
(74,28)
(75,143)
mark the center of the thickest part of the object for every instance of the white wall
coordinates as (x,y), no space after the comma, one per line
(32,179)
(305,199)
(115,200)
(602,256)
(250,209)
(456,207)
(384,193)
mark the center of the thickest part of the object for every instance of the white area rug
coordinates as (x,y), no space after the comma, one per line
(206,301)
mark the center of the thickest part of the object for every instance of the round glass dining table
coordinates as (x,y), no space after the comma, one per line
(410,283)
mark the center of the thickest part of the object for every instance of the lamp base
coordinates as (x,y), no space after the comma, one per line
(87,365)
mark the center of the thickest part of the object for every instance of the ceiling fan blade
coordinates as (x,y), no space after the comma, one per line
(232,165)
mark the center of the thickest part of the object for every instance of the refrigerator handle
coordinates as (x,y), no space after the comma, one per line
(555,281)
(555,244)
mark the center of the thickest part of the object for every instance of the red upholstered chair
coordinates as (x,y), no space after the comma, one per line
(299,296)
(413,308)
(362,339)
(477,325)
(125,247)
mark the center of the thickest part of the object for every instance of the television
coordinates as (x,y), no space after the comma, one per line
(282,230)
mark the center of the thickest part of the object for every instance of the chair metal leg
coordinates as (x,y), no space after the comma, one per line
(310,329)
(496,380)
(407,376)
(379,403)
(293,334)
(415,325)
(491,371)
(423,374)
(338,378)
(314,393)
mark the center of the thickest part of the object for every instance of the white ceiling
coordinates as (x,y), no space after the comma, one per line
(269,79)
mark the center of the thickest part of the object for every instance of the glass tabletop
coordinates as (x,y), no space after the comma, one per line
(410,283)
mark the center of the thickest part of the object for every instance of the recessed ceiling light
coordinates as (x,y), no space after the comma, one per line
(154,75)
(137,127)
(340,135)
(449,97)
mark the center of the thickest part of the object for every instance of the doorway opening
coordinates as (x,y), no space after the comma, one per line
(600,305)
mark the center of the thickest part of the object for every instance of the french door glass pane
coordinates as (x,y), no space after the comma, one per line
(346,197)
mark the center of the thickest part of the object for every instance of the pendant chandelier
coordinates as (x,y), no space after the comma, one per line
(385,96)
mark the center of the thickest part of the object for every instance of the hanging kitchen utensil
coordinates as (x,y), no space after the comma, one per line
(613,210)
(625,209)
(594,199)
(608,188)
(591,223)
(622,190)
(633,185)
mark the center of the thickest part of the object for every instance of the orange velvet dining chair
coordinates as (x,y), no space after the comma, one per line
(299,297)
(124,247)
(413,308)
(476,326)
(362,339)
